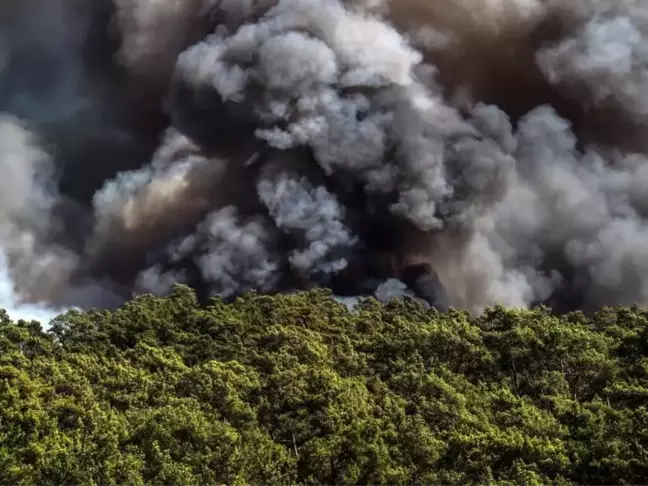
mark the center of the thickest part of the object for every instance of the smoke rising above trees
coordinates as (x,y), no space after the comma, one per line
(288,144)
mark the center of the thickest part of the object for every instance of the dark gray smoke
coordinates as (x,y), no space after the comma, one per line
(464,153)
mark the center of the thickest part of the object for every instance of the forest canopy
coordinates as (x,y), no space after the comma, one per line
(298,389)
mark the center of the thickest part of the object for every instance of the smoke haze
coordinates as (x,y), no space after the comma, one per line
(468,153)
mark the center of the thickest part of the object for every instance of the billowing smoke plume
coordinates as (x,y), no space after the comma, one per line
(466,153)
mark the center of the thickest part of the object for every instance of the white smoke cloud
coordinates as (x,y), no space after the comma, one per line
(312,215)
(335,78)
(15,307)
(500,141)
(29,264)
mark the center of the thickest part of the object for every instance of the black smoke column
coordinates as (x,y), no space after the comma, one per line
(424,282)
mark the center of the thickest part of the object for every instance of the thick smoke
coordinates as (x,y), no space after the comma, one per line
(464,153)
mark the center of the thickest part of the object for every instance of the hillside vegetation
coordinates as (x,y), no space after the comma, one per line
(299,390)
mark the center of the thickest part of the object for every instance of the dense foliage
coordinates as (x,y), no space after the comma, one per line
(297,389)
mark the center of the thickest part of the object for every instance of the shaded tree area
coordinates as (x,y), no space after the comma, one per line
(299,390)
